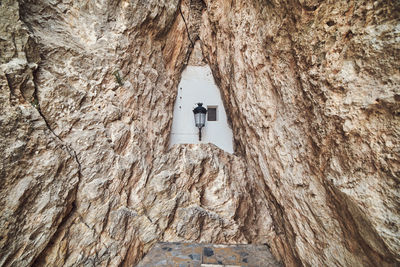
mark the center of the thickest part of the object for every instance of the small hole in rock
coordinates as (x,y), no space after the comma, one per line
(310,8)
(330,23)
(348,35)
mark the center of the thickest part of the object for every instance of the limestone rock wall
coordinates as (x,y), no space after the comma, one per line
(315,86)
(39,173)
(104,82)
(87,95)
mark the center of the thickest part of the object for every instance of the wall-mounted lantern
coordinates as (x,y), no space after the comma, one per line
(200,117)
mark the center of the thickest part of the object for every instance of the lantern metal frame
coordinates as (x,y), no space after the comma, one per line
(200,117)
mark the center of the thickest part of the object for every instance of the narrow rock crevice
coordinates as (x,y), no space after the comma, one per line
(187,29)
(71,209)
(68,147)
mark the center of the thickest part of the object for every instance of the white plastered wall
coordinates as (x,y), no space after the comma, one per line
(197,85)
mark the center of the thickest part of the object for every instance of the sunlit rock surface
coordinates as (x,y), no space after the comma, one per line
(87,95)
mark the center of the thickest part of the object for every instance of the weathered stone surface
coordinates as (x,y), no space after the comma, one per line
(315,86)
(87,94)
(132,192)
(38,173)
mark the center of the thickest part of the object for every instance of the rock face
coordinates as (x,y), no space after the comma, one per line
(316,88)
(87,95)
(39,173)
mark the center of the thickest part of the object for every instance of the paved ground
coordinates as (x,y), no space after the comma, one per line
(208,255)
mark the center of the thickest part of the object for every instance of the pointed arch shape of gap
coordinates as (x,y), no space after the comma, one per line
(197,85)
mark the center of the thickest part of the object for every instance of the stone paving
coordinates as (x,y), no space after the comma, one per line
(208,255)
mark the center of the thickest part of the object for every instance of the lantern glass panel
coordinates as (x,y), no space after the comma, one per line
(199,119)
(202,119)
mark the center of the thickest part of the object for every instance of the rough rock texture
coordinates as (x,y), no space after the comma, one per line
(132,191)
(316,88)
(87,94)
(39,174)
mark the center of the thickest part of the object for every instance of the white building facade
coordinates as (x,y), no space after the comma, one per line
(197,86)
